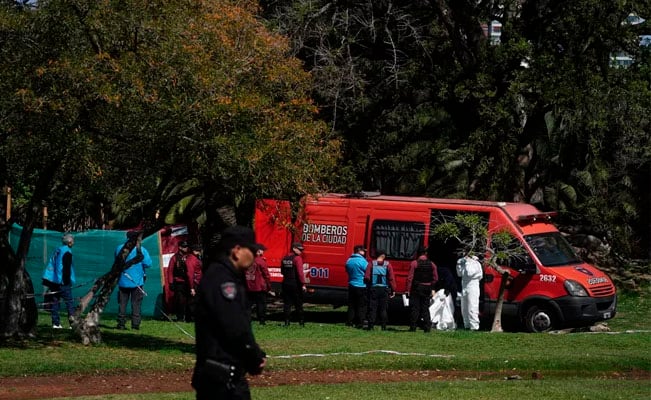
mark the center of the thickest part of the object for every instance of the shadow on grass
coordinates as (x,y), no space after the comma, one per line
(46,337)
(115,338)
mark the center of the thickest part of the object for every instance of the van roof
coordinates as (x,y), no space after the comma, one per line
(514,210)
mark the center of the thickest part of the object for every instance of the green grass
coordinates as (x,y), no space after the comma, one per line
(593,389)
(165,346)
(160,345)
(633,311)
(573,364)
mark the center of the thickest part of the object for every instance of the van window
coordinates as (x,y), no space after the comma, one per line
(400,239)
(552,249)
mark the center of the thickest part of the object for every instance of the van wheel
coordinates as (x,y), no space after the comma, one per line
(539,319)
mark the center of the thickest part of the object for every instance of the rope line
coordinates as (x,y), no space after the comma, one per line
(34,295)
(391,352)
(603,333)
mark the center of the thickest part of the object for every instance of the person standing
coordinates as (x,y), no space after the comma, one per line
(58,278)
(420,283)
(355,268)
(132,280)
(258,282)
(225,346)
(293,285)
(447,281)
(193,262)
(180,278)
(381,286)
(470,270)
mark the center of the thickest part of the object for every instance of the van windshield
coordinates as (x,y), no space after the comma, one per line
(552,249)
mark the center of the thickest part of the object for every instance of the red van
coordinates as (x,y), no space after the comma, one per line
(551,287)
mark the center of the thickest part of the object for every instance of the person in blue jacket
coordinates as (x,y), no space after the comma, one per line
(58,278)
(132,280)
(355,268)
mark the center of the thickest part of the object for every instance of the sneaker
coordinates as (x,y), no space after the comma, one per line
(57,326)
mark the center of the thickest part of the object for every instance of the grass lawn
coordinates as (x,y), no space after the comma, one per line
(573,365)
(593,389)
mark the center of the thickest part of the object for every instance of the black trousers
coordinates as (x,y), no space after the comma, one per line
(211,389)
(136,295)
(378,304)
(292,296)
(259,300)
(357,307)
(419,299)
(181,301)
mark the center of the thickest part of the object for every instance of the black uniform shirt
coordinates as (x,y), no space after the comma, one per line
(222,326)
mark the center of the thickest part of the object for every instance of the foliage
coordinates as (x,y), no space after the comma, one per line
(142,105)
(428,105)
(194,92)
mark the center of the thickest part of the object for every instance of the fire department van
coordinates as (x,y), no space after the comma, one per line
(551,287)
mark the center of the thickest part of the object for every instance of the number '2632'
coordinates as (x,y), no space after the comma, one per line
(547,278)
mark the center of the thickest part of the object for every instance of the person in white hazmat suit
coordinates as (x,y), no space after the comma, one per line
(470,270)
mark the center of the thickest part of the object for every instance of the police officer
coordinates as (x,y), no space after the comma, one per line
(293,285)
(225,346)
(381,283)
(420,283)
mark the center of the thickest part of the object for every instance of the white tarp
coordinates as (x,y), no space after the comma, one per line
(442,311)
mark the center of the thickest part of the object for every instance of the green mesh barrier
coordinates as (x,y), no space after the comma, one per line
(93,254)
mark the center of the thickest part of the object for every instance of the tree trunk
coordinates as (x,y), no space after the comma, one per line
(87,328)
(497,320)
(219,215)
(18,311)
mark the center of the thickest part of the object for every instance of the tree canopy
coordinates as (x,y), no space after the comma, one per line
(145,105)
(427,103)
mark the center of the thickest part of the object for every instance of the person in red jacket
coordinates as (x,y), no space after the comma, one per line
(196,252)
(180,279)
(258,284)
(193,262)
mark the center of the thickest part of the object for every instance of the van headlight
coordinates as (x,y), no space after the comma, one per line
(574,288)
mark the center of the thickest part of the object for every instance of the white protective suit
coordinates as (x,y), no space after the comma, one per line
(470,271)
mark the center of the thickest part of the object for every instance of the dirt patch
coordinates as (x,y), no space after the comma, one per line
(43,387)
